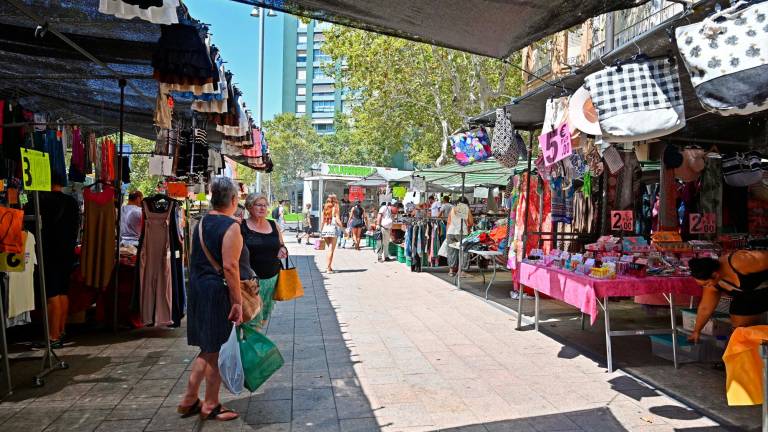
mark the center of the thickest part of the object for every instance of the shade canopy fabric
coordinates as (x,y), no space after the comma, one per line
(494,28)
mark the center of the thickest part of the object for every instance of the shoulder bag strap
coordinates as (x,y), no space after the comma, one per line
(207,252)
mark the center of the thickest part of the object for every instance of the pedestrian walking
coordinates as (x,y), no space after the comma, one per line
(357,223)
(264,242)
(218,262)
(307,224)
(331,227)
(345,231)
(384,221)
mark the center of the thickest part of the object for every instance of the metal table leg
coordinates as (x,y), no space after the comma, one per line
(520,292)
(673,321)
(536,307)
(493,279)
(608,353)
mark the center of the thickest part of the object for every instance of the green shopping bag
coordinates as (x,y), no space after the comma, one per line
(260,357)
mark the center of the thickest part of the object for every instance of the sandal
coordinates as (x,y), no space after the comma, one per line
(216,412)
(189,411)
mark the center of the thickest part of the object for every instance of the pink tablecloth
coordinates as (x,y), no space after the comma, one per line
(583,291)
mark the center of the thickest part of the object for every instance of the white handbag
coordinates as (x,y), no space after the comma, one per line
(637,101)
(727,58)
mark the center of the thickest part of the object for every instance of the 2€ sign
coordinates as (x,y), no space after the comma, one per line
(622,220)
(702,223)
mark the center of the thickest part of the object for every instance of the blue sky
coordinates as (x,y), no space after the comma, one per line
(236,33)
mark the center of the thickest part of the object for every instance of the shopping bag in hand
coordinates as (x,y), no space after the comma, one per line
(230,363)
(260,357)
(288,283)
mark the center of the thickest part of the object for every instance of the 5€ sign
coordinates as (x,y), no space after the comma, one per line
(556,145)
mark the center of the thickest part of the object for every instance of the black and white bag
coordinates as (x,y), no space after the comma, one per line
(727,58)
(506,145)
(637,101)
(742,169)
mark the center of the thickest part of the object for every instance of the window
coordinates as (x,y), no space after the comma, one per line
(302,25)
(301,108)
(302,39)
(323,89)
(301,73)
(324,128)
(320,56)
(575,37)
(322,26)
(301,56)
(318,73)
(319,37)
(541,59)
(322,106)
(301,90)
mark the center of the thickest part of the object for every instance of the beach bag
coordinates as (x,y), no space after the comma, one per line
(727,60)
(742,169)
(637,101)
(231,364)
(260,357)
(507,145)
(288,283)
(472,146)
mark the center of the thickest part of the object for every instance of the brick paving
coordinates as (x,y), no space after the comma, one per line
(372,347)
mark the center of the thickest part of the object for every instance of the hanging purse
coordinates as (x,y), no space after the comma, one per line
(727,59)
(637,101)
(503,145)
(472,146)
(249,288)
(288,283)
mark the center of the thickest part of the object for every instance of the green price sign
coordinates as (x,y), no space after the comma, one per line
(36,170)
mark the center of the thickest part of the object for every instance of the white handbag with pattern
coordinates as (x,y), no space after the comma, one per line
(727,57)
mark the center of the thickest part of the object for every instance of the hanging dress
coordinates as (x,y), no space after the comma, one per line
(98,255)
(155,267)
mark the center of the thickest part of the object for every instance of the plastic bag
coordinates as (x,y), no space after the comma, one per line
(231,364)
(260,357)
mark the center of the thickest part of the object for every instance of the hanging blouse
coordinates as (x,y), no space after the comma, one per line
(98,255)
(77,162)
(128,9)
(108,160)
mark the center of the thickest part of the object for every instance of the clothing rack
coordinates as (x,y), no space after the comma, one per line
(50,361)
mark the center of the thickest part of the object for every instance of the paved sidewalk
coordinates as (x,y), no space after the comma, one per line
(371,347)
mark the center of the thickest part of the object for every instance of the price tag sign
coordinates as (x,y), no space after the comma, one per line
(702,223)
(36,170)
(556,145)
(201,196)
(622,220)
(419,184)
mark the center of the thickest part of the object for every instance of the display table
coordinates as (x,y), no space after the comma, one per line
(476,255)
(586,294)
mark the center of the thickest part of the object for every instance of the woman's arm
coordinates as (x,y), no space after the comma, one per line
(710,297)
(231,247)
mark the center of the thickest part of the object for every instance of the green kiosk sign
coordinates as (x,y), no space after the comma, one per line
(350,170)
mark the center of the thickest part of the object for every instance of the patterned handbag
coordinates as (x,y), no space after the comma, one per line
(727,58)
(637,101)
(472,146)
(505,149)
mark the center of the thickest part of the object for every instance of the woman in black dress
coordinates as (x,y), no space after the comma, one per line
(264,242)
(215,302)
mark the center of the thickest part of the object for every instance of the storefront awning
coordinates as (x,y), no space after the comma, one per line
(492,28)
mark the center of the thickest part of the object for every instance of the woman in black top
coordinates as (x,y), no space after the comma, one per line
(357,223)
(266,248)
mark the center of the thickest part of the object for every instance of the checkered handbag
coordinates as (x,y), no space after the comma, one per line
(504,144)
(637,101)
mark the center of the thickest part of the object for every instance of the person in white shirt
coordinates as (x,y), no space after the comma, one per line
(434,206)
(384,221)
(459,224)
(445,208)
(131,223)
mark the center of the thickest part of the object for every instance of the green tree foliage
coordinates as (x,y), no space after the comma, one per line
(140,178)
(294,146)
(412,94)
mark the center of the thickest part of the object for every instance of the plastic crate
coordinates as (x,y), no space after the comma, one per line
(718,326)
(661,346)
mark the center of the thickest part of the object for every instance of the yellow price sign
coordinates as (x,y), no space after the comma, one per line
(36,169)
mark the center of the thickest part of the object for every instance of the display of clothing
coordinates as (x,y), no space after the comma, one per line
(145,9)
(21,285)
(77,162)
(155,279)
(98,254)
(55,149)
(107,158)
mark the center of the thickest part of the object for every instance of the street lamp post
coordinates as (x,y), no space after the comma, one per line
(258,12)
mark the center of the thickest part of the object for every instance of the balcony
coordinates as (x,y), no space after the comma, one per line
(648,20)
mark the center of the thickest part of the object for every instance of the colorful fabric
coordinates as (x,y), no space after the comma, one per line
(744,367)
(472,146)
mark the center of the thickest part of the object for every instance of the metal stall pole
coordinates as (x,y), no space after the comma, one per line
(51,361)
(4,347)
(527,209)
(764,355)
(461,237)
(118,204)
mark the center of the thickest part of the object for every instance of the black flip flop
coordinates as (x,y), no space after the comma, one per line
(216,412)
(189,411)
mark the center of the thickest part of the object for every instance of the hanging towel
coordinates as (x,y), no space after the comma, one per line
(744,367)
